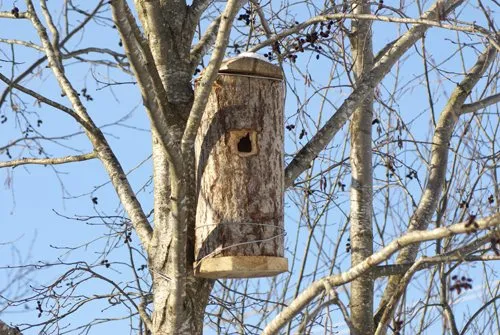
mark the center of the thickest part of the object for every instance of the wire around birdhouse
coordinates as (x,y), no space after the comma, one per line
(213,253)
(247,223)
(239,75)
(249,76)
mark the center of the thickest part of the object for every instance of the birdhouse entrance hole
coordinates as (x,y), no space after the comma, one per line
(243,142)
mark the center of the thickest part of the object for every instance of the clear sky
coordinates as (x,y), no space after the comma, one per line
(40,205)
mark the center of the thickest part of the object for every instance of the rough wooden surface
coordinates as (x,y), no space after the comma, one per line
(250,66)
(241,267)
(239,152)
(6,330)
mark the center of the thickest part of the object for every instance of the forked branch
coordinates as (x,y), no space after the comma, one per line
(318,287)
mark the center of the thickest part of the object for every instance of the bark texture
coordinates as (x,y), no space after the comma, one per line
(6,330)
(361,229)
(239,150)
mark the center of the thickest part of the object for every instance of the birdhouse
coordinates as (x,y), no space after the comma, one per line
(240,173)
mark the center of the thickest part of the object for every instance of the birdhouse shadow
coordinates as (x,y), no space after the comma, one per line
(245,239)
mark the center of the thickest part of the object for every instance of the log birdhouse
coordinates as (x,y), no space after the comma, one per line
(239,162)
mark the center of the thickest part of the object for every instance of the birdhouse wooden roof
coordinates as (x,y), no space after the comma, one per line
(250,66)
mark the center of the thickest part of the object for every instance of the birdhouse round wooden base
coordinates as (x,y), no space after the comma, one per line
(240,173)
(241,267)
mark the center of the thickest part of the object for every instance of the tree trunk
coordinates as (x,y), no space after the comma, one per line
(192,315)
(6,330)
(197,289)
(361,231)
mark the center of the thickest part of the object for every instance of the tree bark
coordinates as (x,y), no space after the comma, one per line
(6,330)
(361,230)
(197,290)
(239,152)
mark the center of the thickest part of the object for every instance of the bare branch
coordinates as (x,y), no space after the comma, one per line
(483,103)
(47,101)
(101,146)
(366,85)
(438,163)
(20,42)
(210,74)
(425,21)
(262,18)
(39,61)
(206,41)
(421,264)
(457,255)
(154,95)
(198,7)
(53,30)
(409,238)
(49,161)
(12,15)
(477,313)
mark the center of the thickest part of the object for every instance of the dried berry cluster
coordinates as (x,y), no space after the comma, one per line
(269,55)
(380,5)
(276,50)
(391,167)
(348,245)
(412,174)
(460,284)
(27,131)
(86,95)
(247,17)
(323,183)
(341,185)
(236,48)
(128,237)
(398,326)
(15,12)
(302,43)
(491,199)
(106,263)
(463,204)
(39,308)
(310,40)
(400,142)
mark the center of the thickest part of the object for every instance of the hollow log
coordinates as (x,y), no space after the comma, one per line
(239,162)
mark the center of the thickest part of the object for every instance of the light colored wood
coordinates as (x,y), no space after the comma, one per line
(241,267)
(240,174)
(251,66)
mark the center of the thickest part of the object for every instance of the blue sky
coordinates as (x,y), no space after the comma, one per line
(32,196)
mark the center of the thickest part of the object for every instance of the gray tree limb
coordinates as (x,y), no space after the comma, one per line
(320,140)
